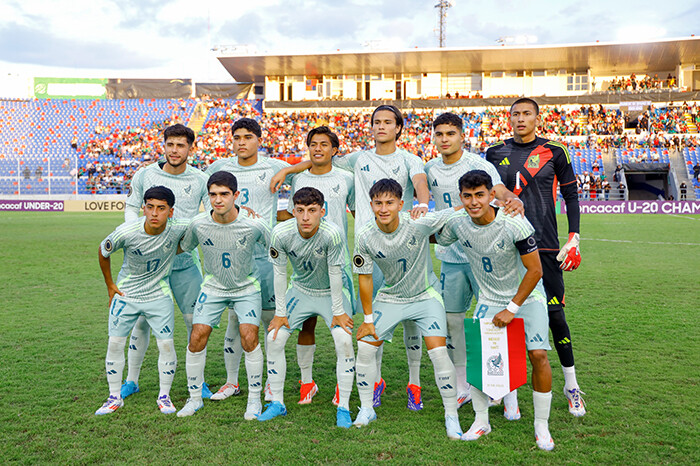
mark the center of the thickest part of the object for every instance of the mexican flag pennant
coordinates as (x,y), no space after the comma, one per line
(496,357)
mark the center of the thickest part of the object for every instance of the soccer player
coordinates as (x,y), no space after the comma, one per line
(399,247)
(149,244)
(531,167)
(338,191)
(190,188)
(500,247)
(369,166)
(228,240)
(317,251)
(457,283)
(254,175)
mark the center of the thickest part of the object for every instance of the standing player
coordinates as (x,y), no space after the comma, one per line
(338,191)
(228,240)
(190,188)
(317,251)
(254,175)
(531,167)
(399,247)
(456,279)
(149,245)
(500,246)
(369,166)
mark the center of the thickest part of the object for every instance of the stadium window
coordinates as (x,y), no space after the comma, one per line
(376,77)
(511,74)
(497,74)
(539,73)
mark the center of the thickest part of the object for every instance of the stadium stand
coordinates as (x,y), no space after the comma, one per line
(94,146)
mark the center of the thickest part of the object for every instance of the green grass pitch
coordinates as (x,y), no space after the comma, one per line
(632,307)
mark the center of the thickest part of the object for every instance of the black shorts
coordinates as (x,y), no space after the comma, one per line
(553,280)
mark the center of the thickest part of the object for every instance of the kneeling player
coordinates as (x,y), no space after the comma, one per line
(228,240)
(502,246)
(316,248)
(149,244)
(399,246)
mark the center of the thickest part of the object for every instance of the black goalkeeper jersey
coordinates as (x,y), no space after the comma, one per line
(532,172)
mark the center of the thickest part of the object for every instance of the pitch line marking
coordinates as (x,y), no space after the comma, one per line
(637,242)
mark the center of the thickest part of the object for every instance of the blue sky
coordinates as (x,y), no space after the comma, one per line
(167,39)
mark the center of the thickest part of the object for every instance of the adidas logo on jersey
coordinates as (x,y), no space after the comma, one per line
(251,313)
(292,253)
(434,326)
(505,162)
(467,244)
(380,255)
(208,242)
(536,339)
(554,300)
(137,252)
(435,183)
(365,168)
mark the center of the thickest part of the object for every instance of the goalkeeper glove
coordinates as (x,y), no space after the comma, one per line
(570,256)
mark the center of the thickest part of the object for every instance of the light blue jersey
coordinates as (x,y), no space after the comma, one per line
(189,188)
(227,252)
(443,181)
(368,168)
(403,256)
(493,254)
(310,257)
(338,189)
(147,258)
(254,185)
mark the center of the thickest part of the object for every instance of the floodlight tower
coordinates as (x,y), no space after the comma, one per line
(442,7)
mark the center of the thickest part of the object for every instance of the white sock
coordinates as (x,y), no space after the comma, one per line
(345,365)
(167,362)
(254,368)
(457,348)
(543,403)
(462,385)
(277,363)
(233,351)
(305,359)
(510,401)
(188,324)
(194,366)
(114,364)
(569,377)
(366,367)
(414,350)
(266,317)
(138,344)
(480,403)
(378,369)
(445,378)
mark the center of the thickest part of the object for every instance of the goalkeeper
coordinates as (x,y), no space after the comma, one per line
(531,167)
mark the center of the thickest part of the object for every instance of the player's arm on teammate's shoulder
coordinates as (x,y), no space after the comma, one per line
(367,327)
(508,201)
(420,185)
(533,274)
(106,268)
(279,178)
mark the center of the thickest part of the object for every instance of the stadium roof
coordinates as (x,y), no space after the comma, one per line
(613,58)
